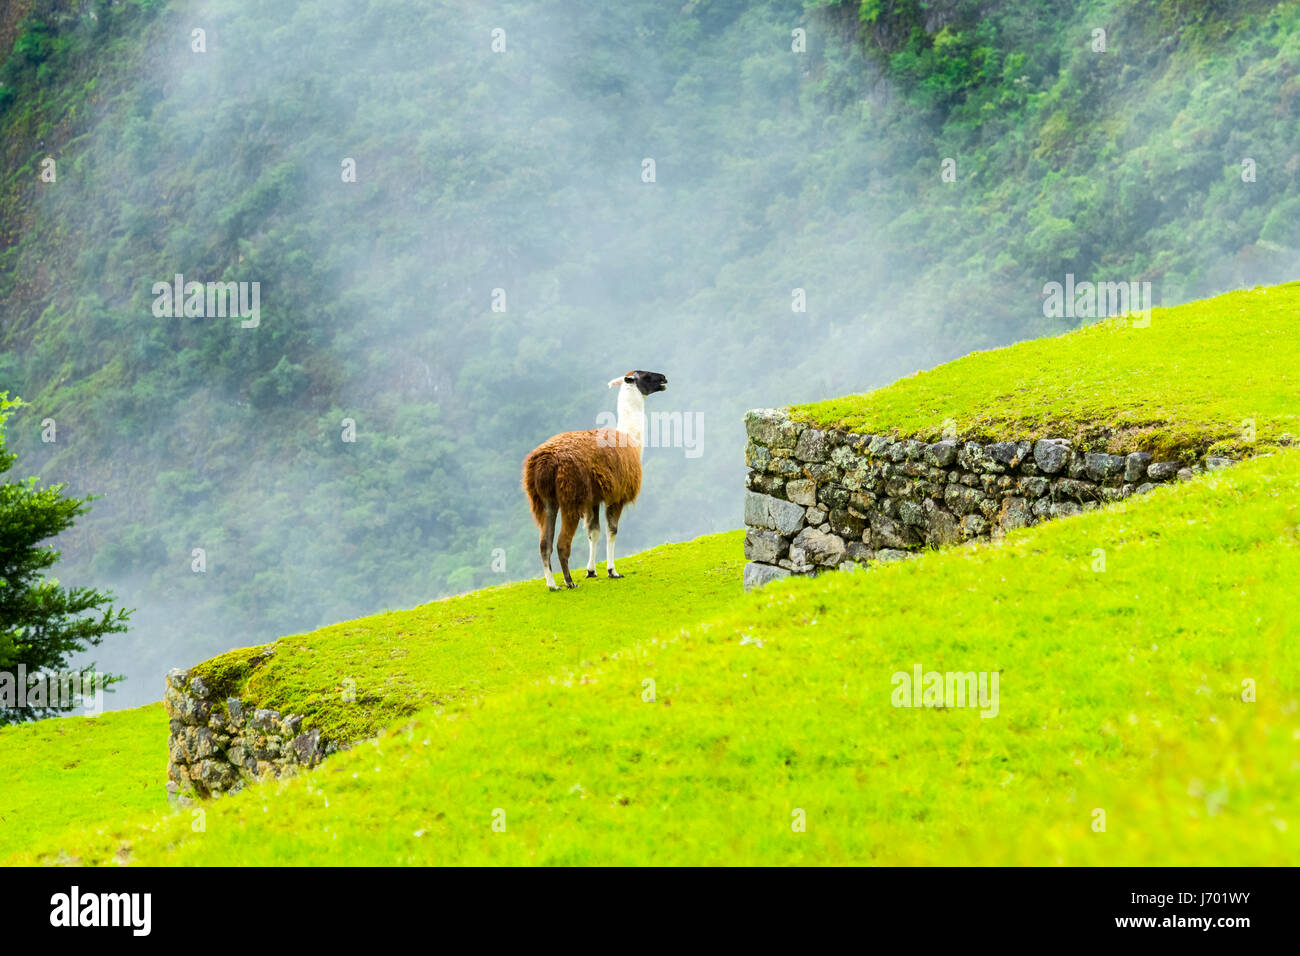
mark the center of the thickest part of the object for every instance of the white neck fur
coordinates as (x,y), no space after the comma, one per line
(631,414)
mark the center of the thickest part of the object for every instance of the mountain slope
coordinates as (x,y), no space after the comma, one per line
(79,771)
(1159,388)
(1133,665)
(1122,690)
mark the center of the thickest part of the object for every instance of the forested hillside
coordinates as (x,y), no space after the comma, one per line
(1169,156)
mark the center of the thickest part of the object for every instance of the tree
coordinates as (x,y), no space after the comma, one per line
(41,622)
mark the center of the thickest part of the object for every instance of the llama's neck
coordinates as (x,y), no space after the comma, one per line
(631,414)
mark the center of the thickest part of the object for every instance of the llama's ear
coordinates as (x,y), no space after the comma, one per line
(615,381)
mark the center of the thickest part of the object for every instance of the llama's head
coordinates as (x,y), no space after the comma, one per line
(646,383)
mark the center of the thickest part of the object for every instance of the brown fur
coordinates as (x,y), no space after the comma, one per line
(572,474)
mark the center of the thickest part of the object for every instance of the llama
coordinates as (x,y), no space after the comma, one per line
(572,473)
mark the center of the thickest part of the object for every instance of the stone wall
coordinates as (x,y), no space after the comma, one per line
(818,498)
(218,744)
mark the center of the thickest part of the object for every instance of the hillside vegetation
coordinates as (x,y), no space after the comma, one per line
(1159,388)
(521,171)
(1122,690)
(1145,654)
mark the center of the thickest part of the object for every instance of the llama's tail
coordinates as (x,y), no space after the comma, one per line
(539,483)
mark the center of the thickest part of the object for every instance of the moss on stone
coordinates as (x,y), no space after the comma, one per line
(226,675)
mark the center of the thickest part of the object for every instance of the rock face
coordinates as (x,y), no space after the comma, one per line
(768,511)
(819,498)
(217,745)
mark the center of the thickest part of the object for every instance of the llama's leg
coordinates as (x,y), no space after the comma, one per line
(568,528)
(593,537)
(544,545)
(611,530)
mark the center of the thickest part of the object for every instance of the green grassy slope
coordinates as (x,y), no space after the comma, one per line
(462,647)
(1121,691)
(1161,388)
(1122,639)
(77,770)
(1111,383)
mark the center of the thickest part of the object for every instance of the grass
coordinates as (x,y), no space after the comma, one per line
(66,773)
(1122,638)
(449,650)
(1146,661)
(1184,386)
(352,679)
